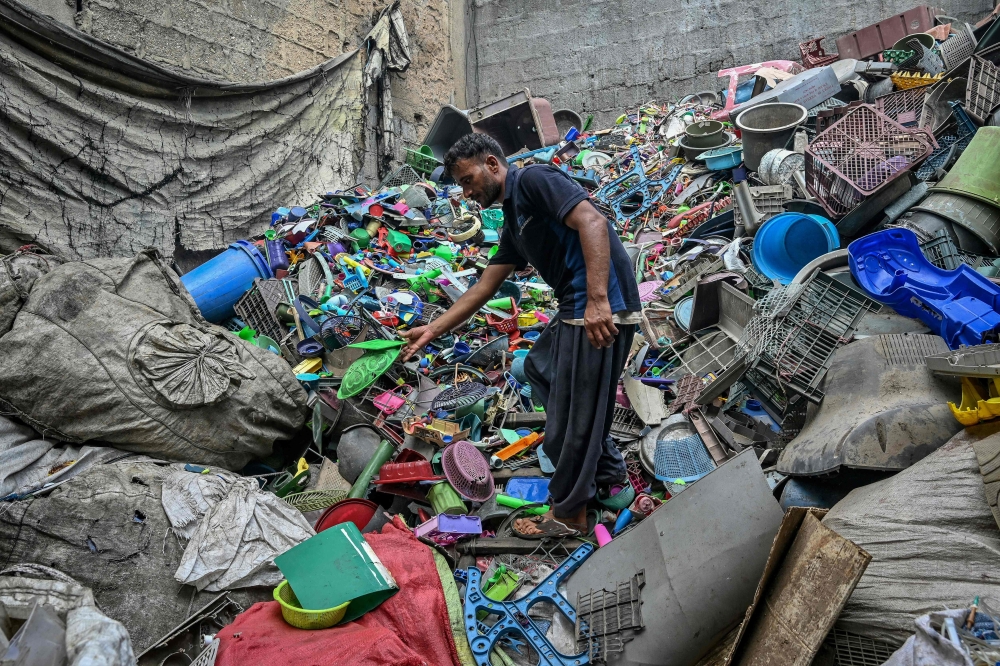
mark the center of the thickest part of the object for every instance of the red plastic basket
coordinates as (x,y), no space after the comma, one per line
(814,55)
(508,325)
(903,106)
(858,155)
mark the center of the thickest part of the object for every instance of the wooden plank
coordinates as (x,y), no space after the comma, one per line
(798,606)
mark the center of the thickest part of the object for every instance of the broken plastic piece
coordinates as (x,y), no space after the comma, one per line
(514,618)
(444,524)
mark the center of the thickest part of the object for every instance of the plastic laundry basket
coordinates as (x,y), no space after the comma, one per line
(221,281)
(789,241)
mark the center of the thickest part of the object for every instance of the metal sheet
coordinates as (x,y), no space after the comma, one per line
(703,552)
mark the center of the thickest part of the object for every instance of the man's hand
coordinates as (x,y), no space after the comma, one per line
(601,329)
(416,339)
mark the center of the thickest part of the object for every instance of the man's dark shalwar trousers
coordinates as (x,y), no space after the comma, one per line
(577,384)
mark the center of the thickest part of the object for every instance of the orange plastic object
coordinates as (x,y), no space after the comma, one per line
(525,442)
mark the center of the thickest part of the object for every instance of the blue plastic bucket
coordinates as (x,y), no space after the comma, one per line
(219,283)
(789,241)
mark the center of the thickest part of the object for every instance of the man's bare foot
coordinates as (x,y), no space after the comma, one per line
(548,524)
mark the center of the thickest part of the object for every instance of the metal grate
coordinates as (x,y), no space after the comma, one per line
(258,307)
(685,459)
(903,106)
(858,155)
(854,650)
(982,95)
(602,617)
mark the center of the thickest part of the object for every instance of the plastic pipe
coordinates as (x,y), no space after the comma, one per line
(382,454)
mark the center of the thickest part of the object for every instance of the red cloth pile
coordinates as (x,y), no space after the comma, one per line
(409,629)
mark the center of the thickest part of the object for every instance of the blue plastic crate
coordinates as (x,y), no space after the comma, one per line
(684,459)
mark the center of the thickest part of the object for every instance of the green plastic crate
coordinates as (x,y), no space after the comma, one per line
(492,218)
(422,160)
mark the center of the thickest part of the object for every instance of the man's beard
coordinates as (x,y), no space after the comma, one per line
(491,192)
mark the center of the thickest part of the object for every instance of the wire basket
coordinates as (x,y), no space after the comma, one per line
(858,155)
(258,307)
(982,95)
(903,106)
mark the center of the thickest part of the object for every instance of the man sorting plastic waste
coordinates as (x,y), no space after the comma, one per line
(575,364)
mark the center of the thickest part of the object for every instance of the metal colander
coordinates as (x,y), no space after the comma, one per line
(468,471)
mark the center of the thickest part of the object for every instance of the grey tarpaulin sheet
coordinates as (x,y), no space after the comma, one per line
(104,154)
(115,351)
(932,538)
(108,530)
(235,530)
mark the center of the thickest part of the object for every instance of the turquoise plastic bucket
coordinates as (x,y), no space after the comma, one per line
(789,241)
(219,283)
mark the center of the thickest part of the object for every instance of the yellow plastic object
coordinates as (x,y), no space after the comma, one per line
(518,446)
(973,407)
(301,618)
(526,319)
(312,365)
(905,80)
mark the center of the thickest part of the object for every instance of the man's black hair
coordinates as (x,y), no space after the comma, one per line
(473,146)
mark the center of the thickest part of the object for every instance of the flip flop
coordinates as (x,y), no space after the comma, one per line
(549,528)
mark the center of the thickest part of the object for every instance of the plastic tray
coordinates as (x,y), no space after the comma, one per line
(976,361)
(407,472)
(943,253)
(532,489)
(961,306)
(446,524)
(259,305)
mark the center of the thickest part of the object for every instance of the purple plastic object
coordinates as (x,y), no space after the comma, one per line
(336,248)
(446,524)
(277,259)
(468,471)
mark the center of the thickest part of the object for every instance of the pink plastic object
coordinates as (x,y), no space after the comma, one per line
(858,155)
(603,537)
(406,472)
(734,74)
(647,290)
(443,524)
(390,401)
(468,471)
(814,55)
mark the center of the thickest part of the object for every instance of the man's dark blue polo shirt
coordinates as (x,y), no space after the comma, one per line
(536,201)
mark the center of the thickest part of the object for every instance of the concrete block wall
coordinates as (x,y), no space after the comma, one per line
(605,56)
(258,40)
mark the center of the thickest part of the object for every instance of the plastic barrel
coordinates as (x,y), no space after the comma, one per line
(768,126)
(219,283)
(789,241)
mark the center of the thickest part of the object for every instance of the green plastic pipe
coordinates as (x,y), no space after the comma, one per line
(382,454)
(505,303)
(515,503)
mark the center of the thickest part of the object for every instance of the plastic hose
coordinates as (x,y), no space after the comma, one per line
(382,454)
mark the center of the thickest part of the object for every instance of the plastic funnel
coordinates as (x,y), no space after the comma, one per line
(789,241)
(768,126)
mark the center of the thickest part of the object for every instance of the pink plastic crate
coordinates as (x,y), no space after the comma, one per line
(858,155)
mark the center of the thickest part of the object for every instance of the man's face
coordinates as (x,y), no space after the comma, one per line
(480,181)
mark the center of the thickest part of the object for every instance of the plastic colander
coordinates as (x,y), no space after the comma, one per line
(468,471)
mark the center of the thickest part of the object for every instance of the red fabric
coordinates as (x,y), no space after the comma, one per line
(410,629)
